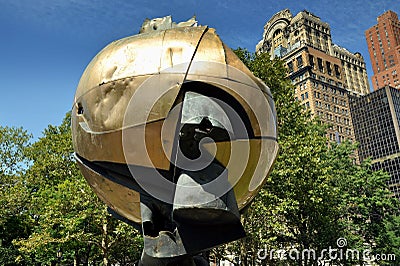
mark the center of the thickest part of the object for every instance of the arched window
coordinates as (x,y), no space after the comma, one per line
(278,37)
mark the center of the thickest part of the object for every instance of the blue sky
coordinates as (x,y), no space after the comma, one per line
(45,45)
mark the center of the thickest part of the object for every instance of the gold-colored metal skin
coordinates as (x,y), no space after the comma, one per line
(106,108)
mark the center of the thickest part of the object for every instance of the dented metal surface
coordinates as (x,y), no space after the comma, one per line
(112,77)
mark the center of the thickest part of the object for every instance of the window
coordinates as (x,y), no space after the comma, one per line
(278,37)
(299,61)
(311,59)
(290,67)
(320,65)
(329,68)
(337,71)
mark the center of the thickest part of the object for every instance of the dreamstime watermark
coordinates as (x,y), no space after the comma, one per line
(340,252)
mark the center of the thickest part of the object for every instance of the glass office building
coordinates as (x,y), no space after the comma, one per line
(376,119)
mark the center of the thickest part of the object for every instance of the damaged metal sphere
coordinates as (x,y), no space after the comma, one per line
(174,134)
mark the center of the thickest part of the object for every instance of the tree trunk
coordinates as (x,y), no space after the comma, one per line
(87,255)
(104,243)
(243,253)
(76,257)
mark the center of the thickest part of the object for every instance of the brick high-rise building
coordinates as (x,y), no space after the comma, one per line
(323,73)
(383,41)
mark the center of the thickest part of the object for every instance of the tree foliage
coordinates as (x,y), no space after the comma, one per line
(14,218)
(315,194)
(59,209)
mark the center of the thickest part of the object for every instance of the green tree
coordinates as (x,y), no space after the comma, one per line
(310,199)
(369,215)
(296,198)
(14,219)
(67,215)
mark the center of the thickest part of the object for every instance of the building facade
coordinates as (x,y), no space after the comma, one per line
(383,41)
(354,70)
(324,74)
(376,119)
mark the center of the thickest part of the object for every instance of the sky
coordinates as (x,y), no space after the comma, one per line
(45,45)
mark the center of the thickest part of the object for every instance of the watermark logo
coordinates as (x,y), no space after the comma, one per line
(341,252)
(341,242)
